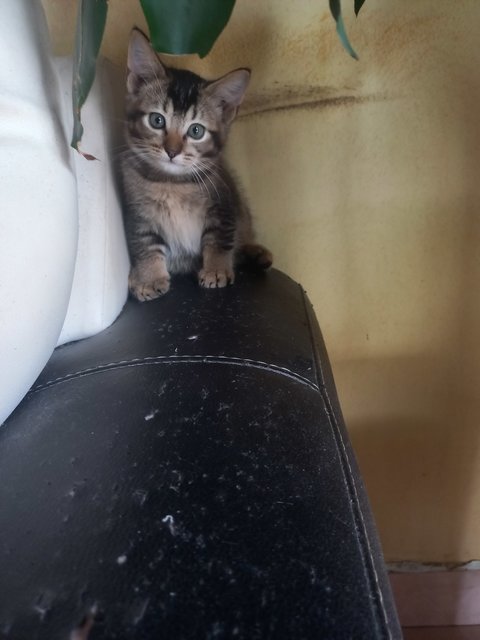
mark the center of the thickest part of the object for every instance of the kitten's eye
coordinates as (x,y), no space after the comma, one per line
(156,120)
(196,131)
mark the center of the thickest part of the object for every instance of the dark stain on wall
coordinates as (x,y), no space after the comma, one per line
(287,98)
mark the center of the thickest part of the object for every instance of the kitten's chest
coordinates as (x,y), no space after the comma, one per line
(180,211)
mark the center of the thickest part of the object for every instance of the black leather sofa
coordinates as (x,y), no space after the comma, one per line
(186,473)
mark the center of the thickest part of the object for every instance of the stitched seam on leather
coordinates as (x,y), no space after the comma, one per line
(349,480)
(358,515)
(243,362)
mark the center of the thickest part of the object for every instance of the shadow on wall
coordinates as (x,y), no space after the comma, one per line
(419,448)
(418,452)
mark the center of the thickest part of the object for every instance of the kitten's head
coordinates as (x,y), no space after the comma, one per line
(177,122)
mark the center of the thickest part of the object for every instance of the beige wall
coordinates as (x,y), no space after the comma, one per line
(365,181)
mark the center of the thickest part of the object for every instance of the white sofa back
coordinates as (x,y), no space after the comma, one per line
(63,258)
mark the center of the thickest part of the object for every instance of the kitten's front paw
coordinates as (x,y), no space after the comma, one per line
(216,278)
(143,291)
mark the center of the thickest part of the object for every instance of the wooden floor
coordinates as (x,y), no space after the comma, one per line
(441,633)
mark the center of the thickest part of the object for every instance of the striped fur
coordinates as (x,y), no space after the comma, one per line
(183,209)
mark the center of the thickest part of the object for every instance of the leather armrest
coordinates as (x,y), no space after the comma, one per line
(187,474)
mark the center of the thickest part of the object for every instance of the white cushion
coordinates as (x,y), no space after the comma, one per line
(38,204)
(100,283)
(52,201)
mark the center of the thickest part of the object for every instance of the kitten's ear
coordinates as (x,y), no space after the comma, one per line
(143,63)
(228,92)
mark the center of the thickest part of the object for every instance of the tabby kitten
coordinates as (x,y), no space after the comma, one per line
(183,210)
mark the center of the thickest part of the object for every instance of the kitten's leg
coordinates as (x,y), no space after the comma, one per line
(217,270)
(149,278)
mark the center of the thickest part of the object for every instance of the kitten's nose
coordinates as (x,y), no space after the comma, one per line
(173,144)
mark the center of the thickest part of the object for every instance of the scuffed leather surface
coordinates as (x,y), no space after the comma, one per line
(186,474)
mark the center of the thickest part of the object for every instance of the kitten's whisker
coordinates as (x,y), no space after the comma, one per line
(203,173)
(209,169)
(199,180)
(204,176)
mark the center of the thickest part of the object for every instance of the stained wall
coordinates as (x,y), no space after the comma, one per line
(365,181)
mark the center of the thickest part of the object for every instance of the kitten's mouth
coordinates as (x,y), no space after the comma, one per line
(173,167)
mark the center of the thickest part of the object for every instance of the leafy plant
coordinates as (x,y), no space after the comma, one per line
(336,11)
(176,26)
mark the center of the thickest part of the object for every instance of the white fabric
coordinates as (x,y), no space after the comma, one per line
(51,293)
(38,204)
(100,284)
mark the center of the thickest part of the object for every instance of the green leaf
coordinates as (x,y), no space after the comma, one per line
(336,11)
(186,26)
(92,15)
(358,6)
